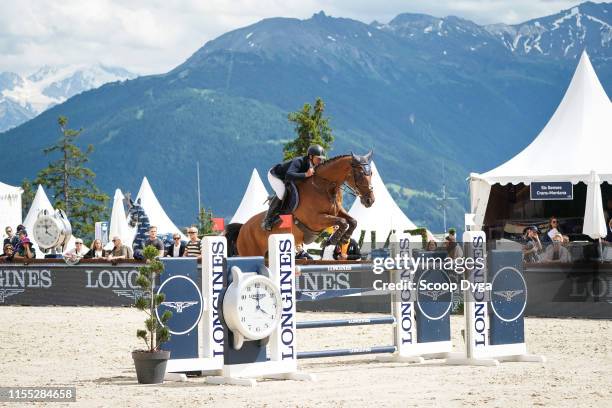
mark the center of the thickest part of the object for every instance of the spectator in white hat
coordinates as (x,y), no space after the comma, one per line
(77,252)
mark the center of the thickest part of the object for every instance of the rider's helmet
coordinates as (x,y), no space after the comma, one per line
(317,151)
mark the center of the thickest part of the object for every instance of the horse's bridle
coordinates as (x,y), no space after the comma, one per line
(360,182)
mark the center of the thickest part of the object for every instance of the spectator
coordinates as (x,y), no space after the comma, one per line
(119,251)
(552,229)
(453,250)
(7,255)
(96,251)
(300,253)
(531,245)
(556,252)
(351,251)
(194,246)
(25,251)
(10,237)
(608,237)
(77,252)
(431,245)
(154,241)
(177,249)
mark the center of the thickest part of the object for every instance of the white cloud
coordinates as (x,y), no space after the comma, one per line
(155,36)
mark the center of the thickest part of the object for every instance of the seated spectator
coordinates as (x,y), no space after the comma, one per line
(453,250)
(608,237)
(300,253)
(96,251)
(348,251)
(7,255)
(556,252)
(531,245)
(119,251)
(154,241)
(25,252)
(177,249)
(431,245)
(10,237)
(552,229)
(194,246)
(77,252)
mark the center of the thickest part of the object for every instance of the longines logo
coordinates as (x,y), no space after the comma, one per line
(179,306)
(4,293)
(433,294)
(131,293)
(185,317)
(14,282)
(508,294)
(510,290)
(316,281)
(312,294)
(119,279)
(25,278)
(434,303)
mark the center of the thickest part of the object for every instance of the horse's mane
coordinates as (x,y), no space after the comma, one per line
(332,160)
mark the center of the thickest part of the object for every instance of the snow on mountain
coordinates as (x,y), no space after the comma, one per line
(22,98)
(565,34)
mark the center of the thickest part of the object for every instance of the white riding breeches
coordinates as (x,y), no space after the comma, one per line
(277,184)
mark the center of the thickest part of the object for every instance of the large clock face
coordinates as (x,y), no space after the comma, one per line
(46,232)
(258,307)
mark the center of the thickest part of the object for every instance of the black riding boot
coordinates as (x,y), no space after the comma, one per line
(272,214)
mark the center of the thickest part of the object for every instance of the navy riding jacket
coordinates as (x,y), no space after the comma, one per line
(294,169)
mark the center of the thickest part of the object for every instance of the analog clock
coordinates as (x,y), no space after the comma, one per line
(51,230)
(251,306)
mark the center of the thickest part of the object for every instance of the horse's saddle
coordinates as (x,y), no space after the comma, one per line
(292,199)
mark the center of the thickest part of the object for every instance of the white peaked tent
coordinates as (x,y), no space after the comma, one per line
(10,206)
(576,141)
(253,201)
(40,202)
(155,212)
(118,222)
(383,216)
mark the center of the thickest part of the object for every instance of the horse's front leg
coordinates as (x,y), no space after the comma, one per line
(339,222)
(352,224)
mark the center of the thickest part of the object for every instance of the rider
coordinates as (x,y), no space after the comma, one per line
(287,172)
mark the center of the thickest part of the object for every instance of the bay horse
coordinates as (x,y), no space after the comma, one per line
(320,207)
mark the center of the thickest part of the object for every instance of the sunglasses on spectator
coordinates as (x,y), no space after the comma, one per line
(192,232)
(177,238)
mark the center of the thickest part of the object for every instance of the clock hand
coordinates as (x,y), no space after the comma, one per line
(263,311)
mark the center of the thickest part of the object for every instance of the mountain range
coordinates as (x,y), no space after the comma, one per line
(436,98)
(22,98)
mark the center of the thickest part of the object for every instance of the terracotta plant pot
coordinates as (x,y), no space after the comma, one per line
(150,367)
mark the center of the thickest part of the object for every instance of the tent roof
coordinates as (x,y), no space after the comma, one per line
(576,140)
(7,190)
(155,212)
(40,202)
(383,216)
(253,201)
(118,221)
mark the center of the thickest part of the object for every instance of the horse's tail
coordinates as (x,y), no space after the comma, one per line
(231,234)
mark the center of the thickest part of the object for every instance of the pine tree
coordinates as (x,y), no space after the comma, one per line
(72,184)
(205,222)
(28,195)
(311,128)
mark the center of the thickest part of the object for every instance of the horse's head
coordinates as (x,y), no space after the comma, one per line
(360,179)
(134,211)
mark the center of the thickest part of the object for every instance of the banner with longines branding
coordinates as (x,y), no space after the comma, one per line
(553,290)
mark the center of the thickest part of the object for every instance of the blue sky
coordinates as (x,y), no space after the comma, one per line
(154,36)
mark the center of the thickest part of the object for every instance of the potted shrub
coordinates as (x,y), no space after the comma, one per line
(151,362)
